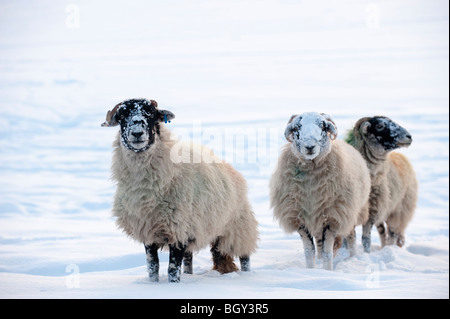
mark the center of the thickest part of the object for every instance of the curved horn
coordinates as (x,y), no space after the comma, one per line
(287,132)
(361,126)
(110,120)
(331,126)
(154,103)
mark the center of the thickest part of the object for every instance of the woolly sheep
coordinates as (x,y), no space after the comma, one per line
(320,187)
(394,186)
(183,205)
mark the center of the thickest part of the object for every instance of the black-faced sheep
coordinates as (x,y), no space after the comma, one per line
(394,187)
(320,187)
(182,205)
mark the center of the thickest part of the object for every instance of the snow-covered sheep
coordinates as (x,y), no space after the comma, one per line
(394,187)
(320,187)
(182,205)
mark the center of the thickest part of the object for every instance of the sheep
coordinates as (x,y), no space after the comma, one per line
(320,187)
(182,206)
(394,186)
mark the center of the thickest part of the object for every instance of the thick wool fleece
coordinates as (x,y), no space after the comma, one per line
(394,186)
(159,201)
(393,196)
(403,189)
(333,190)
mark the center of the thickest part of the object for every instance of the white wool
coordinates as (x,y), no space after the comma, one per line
(322,191)
(158,201)
(336,188)
(394,186)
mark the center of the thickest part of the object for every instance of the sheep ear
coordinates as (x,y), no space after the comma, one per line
(165,116)
(331,126)
(111,118)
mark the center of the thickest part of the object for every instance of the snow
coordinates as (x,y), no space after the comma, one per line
(233,73)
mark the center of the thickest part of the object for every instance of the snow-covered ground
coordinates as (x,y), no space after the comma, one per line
(233,72)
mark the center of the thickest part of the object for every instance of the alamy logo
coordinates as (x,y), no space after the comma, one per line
(73,279)
(73,16)
(233,145)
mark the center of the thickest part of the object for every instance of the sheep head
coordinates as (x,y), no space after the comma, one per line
(381,134)
(139,122)
(311,134)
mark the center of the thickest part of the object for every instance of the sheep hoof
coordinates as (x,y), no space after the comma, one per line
(174,272)
(366,244)
(174,277)
(327,259)
(153,277)
(176,253)
(310,263)
(152,262)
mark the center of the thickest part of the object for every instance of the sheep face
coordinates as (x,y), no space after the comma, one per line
(139,122)
(383,135)
(311,134)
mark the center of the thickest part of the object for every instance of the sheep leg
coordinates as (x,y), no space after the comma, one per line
(329,237)
(187,263)
(176,253)
(308,246)
(223,263)
(394,237)
(382,232)
(337,244)
(400,239)
(319,244)
(366,240)
(245,263)
(152,262)
(351,242)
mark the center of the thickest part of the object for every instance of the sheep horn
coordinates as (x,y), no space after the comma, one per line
(154,103)
(110,121)
(332,129)
(288,130)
